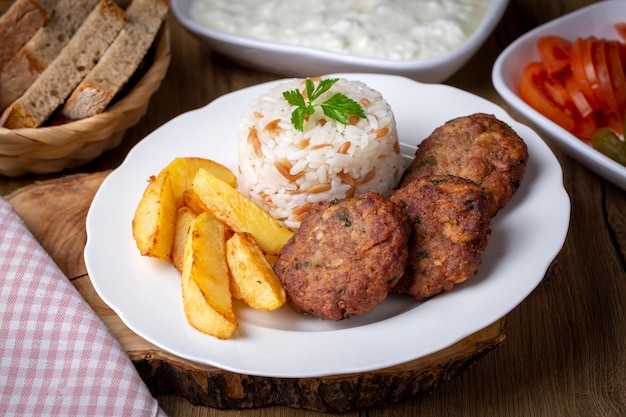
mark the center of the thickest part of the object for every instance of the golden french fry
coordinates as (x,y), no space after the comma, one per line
(271,259)
(251,274)
(205,280)
(191,200)
(183,170)
(234,290)
(239,213)
(184,217)
(154,222)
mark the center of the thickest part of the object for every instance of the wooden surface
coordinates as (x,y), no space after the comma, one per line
(55,209)
(565,350)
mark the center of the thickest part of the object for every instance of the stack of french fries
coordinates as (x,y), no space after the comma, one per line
(223,244)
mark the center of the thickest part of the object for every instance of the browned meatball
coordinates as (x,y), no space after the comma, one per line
(450,230)
(478,147)
(345,257)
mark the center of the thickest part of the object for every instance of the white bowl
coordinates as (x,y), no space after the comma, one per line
(298,61)
(596,20)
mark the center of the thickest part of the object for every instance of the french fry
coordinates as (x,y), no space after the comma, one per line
(184,217)
(252,278)
(183,170)
(234,289)
(239,213)
(223,244)
(271,259)
(205,280)
(154,222)
(191,200)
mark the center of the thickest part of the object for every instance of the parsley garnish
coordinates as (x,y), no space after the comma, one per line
(343,216)
(337,107)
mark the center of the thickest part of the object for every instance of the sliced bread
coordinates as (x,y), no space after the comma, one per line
(18,24)
(74,62)
(119,62)
(45,45)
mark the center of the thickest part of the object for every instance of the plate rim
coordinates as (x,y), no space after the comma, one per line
(318,371)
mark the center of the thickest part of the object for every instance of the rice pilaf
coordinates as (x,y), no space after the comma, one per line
(285,171)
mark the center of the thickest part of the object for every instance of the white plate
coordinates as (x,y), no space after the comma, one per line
(299,61)
(596,20)
(145,293)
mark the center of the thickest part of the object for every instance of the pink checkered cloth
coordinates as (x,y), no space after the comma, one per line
(57,358)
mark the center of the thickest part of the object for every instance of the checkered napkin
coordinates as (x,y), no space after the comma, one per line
(57,358)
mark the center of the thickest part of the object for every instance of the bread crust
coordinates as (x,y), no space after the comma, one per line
(119,62)
(17,26)
(33,58)
(56,83)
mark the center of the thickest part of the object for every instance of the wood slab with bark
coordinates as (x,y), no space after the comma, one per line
(55,211)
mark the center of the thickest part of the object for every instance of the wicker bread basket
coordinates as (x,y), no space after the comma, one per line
(54,148)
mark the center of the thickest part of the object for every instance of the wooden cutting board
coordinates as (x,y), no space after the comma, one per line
(55,212)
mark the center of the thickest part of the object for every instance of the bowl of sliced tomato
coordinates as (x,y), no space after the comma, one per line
(567,79)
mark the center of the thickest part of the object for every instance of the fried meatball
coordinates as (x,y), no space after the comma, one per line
(345,257)
(451,227)
(478,147)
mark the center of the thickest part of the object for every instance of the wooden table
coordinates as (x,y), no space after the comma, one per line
(565,347)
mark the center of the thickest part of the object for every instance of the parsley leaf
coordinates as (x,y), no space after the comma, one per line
(338,107)
(294,98)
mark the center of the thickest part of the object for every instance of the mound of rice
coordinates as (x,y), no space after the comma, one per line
(285,171)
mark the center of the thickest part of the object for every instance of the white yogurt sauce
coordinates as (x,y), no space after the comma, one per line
(388,29)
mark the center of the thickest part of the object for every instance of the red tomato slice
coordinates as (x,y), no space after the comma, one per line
(554,52)
(556,91)
(585,127)
(621,29)
(533,91)
(578,98)
(603,76)
(592,75)
(622,54)
(610,121)
(579,72)
(616,71)
(615,123)
(579,85)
